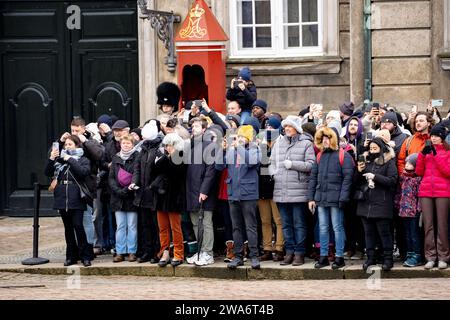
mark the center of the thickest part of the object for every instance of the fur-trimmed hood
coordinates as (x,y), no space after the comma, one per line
(331,134)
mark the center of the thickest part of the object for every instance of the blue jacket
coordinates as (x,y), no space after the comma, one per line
(242,180)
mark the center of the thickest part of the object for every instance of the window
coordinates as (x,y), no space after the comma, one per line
(276,28)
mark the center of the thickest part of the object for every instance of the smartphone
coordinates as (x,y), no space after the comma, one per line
(369,136)
(361,158)
(428,143)
(186,116)
(437,103)
(414,109)
(55,146)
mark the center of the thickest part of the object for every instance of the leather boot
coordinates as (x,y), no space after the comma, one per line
(278,256)
(287,260)
(322,263)
(299,259)
(388,262)
(371,261)
(266,256)
(230,251)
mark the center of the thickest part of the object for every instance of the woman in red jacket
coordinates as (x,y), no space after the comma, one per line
(433,164)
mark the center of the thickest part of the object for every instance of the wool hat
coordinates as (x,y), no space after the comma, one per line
(260,103)
(304,111)
(150,130)
(294,122)
(173,139)
(253,122)
(246,131)
(412,158)
(337,125)
(347,108)
(138,131)
(120,124)
(274,122)
(235,118)
(439,131)
(104,118)
(245,73)
(169,94)
(309,127)
(334,114)
(390,117)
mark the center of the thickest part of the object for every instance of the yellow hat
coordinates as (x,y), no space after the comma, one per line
(246,132)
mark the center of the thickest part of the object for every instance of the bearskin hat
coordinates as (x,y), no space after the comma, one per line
(168,93)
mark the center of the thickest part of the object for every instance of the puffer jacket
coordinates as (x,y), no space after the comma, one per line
(330,183)
(435,170)
(245,98)
(380,200)
(291,185)
(415,146)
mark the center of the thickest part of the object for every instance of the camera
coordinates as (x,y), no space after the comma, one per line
(369,136)
(55,146)
(362,158)
(237,82)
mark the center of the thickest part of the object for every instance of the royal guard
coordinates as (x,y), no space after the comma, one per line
(168,97)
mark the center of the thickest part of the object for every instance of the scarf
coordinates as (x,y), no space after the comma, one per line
(126,155)
(75,153)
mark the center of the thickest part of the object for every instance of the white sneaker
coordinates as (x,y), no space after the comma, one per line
(442,265)
(204,260)
(430,264)
(192,259)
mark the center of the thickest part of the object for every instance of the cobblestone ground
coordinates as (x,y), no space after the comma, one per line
(28,286)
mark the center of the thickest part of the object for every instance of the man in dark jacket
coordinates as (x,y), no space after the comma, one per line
(390,122)
(329,189)
(243,90)
(200,192)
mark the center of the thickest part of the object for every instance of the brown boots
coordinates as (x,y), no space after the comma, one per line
(266,256)
(295,260)
(230,251)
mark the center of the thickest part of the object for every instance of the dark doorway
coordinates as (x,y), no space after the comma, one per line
(194,86)
(51,73)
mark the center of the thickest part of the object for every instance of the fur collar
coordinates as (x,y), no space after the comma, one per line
(388,155)
(325,131)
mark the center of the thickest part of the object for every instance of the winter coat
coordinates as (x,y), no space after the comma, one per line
(145,173)
(291,185)
(266,182)
(415,146)
(380,200)
(245,98)
(243,164)
(121,197)
(330,183)
(407,198)
(200,177)
(170,186)
(68,196)
(435,173)
(398,137)
(112,147)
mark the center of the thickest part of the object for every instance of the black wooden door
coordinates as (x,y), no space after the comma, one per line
(50,73)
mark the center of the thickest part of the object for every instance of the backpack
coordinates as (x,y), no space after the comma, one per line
(341,157)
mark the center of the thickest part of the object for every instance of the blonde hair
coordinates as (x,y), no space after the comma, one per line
(129,138)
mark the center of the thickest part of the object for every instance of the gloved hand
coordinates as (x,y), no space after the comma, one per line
(287,164)
(369,176)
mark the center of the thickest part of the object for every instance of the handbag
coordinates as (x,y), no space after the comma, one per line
(85,194)
(52,185)
(124,177)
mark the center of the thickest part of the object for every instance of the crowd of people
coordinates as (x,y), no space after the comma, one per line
(191,185)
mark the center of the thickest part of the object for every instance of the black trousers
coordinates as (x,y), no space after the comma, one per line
(380,227)
(77,248)
(148,233)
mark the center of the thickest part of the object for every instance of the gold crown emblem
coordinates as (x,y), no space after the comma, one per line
(196,12)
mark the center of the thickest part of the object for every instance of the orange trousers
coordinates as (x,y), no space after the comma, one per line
(170,221)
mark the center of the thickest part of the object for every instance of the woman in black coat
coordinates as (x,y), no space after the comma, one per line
(120,178)
(70,170)
(170,187)
(144,174)
(376,182)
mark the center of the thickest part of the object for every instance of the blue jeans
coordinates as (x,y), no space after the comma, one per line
(293,220)
(88,224)
(336,216)
(412,232)
(126,233)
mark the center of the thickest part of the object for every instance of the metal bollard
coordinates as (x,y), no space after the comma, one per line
(37,201)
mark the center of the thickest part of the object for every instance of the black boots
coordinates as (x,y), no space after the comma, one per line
(370,260)
(338,263)
(322,263)
(388,262)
